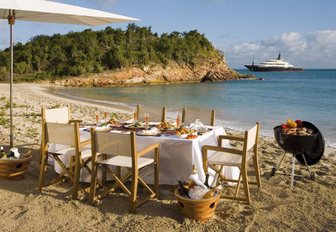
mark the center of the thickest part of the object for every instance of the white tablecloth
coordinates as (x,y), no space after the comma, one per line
(176,157)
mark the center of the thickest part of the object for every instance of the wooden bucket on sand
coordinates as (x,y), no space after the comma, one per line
(14,169)
(200,210)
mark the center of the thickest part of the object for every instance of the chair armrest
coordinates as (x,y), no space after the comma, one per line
(85,143)
(231,137)
(75,120)
(221,149)
(148,149)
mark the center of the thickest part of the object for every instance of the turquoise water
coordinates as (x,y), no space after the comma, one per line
(308,95)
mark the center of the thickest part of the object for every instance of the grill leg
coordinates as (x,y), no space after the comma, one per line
(274,169)
(293,166)
(312,175)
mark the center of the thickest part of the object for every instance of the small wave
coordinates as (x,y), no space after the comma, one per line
(232,126)
(100,102)
(330,143)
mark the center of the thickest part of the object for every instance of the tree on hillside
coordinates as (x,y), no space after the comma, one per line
(77,53)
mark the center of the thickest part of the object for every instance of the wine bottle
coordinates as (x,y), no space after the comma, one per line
(210,193)
(206,183)
(183,191)
(192,183)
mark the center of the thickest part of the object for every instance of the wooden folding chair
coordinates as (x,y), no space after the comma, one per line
(186,118)
(154,116)
(234,157)
(65,135)
(123,149)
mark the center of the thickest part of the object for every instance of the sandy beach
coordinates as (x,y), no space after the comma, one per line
(308,206)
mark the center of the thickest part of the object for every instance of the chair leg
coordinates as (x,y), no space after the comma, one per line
(93,184)
(238,184)
(246,185)
(134,191)
(256,170)
(76,179)
(43,164)
(156,174)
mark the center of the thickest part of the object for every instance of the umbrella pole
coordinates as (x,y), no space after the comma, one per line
(11,21)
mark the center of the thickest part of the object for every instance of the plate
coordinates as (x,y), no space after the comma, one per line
(135,126)
(148,133)
(154,123)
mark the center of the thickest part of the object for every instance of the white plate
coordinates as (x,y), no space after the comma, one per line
(134,127)
(148,133)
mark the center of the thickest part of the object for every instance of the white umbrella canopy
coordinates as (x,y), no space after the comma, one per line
(55,12)
(50,12)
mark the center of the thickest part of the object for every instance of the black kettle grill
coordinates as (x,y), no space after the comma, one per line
(308,150)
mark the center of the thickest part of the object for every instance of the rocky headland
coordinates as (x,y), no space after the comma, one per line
(211,71)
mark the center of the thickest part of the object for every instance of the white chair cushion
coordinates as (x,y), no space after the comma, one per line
(227,159)
(125,161)
(71,151)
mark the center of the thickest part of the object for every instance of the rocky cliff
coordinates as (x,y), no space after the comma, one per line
(212,71)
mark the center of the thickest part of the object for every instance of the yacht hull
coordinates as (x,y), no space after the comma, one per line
(257,68)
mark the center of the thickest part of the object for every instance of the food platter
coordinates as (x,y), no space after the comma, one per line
(137,125)
(148,133)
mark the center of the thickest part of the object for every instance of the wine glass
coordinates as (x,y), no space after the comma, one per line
(105,116)
(146,120)
(135,115)
(97,119)
(178,120)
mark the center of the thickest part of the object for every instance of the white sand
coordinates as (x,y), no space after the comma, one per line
(309,206)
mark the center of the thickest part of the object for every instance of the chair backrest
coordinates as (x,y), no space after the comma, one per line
(61,133)
(251,137)
(190,116)
(58,115)
(156,114)
(171,115)
(113,143)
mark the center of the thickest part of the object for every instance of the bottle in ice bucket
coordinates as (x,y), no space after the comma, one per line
(2,153)
(210,193)
(206,183)
(183,191)
(191,183)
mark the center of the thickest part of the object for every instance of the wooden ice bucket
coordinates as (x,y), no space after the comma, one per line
(200,210)
(14,169)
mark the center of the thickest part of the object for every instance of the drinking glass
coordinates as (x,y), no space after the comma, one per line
(97,119)
(135,115)
(146,120)
(178,120)
(105,116)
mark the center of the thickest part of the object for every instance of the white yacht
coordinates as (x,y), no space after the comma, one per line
(273,65)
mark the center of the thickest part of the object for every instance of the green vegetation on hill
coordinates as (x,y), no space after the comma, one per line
(78,53)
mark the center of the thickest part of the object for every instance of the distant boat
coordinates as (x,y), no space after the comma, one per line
(273,65)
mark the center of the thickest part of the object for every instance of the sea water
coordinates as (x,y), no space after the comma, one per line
(309,95)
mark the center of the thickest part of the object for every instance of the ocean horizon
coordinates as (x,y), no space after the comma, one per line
(308,96)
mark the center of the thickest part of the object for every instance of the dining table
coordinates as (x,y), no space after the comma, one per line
(178,155)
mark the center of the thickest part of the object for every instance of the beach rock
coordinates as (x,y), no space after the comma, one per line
(212,70)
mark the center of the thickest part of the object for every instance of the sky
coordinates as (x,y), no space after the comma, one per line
(304,31)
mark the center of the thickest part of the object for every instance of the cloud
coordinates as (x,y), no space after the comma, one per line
(312,50)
